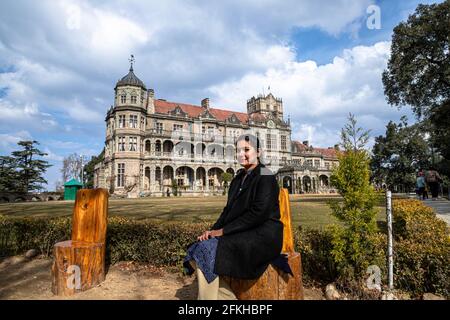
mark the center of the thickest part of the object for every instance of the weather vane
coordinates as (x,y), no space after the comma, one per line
(131,62)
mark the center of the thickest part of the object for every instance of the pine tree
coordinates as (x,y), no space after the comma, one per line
(29,169)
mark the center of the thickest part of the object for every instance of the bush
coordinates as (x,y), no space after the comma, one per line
(421,249)
(162,244)
(20,234)
(421,246)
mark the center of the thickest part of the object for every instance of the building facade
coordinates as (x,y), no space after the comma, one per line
(154,146)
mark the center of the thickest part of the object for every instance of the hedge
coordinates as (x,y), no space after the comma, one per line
(421,245)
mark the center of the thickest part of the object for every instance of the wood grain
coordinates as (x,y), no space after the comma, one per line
(275,284)
(89,257)
(285,214)
(90,215)
(86,250)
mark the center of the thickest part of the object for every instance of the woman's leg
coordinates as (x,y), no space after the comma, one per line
(206,291)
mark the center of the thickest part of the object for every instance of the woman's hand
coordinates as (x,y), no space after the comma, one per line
(210,234)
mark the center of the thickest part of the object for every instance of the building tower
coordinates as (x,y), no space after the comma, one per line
(125,129)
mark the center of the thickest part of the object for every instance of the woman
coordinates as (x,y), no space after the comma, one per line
(248,235)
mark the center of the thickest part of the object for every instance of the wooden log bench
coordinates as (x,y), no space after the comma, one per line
(275,284)
(79,263)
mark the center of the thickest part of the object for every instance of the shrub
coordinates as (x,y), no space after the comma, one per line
(421,249)
(353,249)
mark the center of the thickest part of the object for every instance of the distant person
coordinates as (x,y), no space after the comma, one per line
(420,184)
(168,192)
(433,179)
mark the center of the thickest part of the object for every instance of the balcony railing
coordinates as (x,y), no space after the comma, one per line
(187,135)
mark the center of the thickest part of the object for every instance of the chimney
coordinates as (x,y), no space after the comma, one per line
(205,103)
(306,142)
(151,93)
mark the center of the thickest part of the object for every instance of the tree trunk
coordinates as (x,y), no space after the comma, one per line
(77,266)
(273,284)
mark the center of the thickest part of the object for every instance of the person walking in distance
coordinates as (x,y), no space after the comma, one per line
(433,179)
(420,184)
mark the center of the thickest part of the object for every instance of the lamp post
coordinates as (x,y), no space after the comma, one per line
(82,178)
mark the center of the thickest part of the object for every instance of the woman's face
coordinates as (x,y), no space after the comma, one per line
(246,154)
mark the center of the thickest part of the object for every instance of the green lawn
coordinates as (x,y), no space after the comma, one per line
(307,211)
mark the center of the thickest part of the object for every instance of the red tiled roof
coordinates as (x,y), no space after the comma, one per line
(193,111)
(326,152)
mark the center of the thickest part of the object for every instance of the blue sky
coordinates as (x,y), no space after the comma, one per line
(60,60)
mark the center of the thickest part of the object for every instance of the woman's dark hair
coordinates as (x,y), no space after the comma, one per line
(252,140)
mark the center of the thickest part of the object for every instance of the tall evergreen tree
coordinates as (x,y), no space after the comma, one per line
(29,168)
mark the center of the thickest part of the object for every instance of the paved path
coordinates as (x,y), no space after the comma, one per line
(441,207)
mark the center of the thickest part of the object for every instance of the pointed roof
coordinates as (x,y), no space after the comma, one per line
(131,80)
(73,182)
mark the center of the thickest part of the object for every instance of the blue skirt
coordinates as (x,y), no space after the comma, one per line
(204,255)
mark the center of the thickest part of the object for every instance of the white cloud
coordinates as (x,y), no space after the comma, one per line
(319,98)
(80,112)
(51,155)
(8,142)
(24,116)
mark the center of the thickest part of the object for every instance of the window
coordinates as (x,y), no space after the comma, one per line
(133,121)
(121,144)
(309,162)
(283,143)
(269,141)
(327,165)
(142,123)
(316,163)
(177,127)
(123,98)
(133,99)
(133,143)
(159,127)
(203,130)
(283,160)
(120,174)
(122,121)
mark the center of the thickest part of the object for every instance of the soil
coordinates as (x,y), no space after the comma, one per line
(23,279)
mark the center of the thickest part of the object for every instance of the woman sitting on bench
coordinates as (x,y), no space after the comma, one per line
(248,235)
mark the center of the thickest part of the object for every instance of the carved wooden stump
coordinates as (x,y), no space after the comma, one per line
(273,284)
(77,266)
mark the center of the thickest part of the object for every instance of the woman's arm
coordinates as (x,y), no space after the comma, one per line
(260,209)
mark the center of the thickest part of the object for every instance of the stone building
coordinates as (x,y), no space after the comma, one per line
(154,147)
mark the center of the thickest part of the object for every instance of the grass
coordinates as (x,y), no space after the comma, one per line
(307,211)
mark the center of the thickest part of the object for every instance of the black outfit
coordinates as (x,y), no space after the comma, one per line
(434,187)
(252,230)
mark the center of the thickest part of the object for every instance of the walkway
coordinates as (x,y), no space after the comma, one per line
(441,207)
